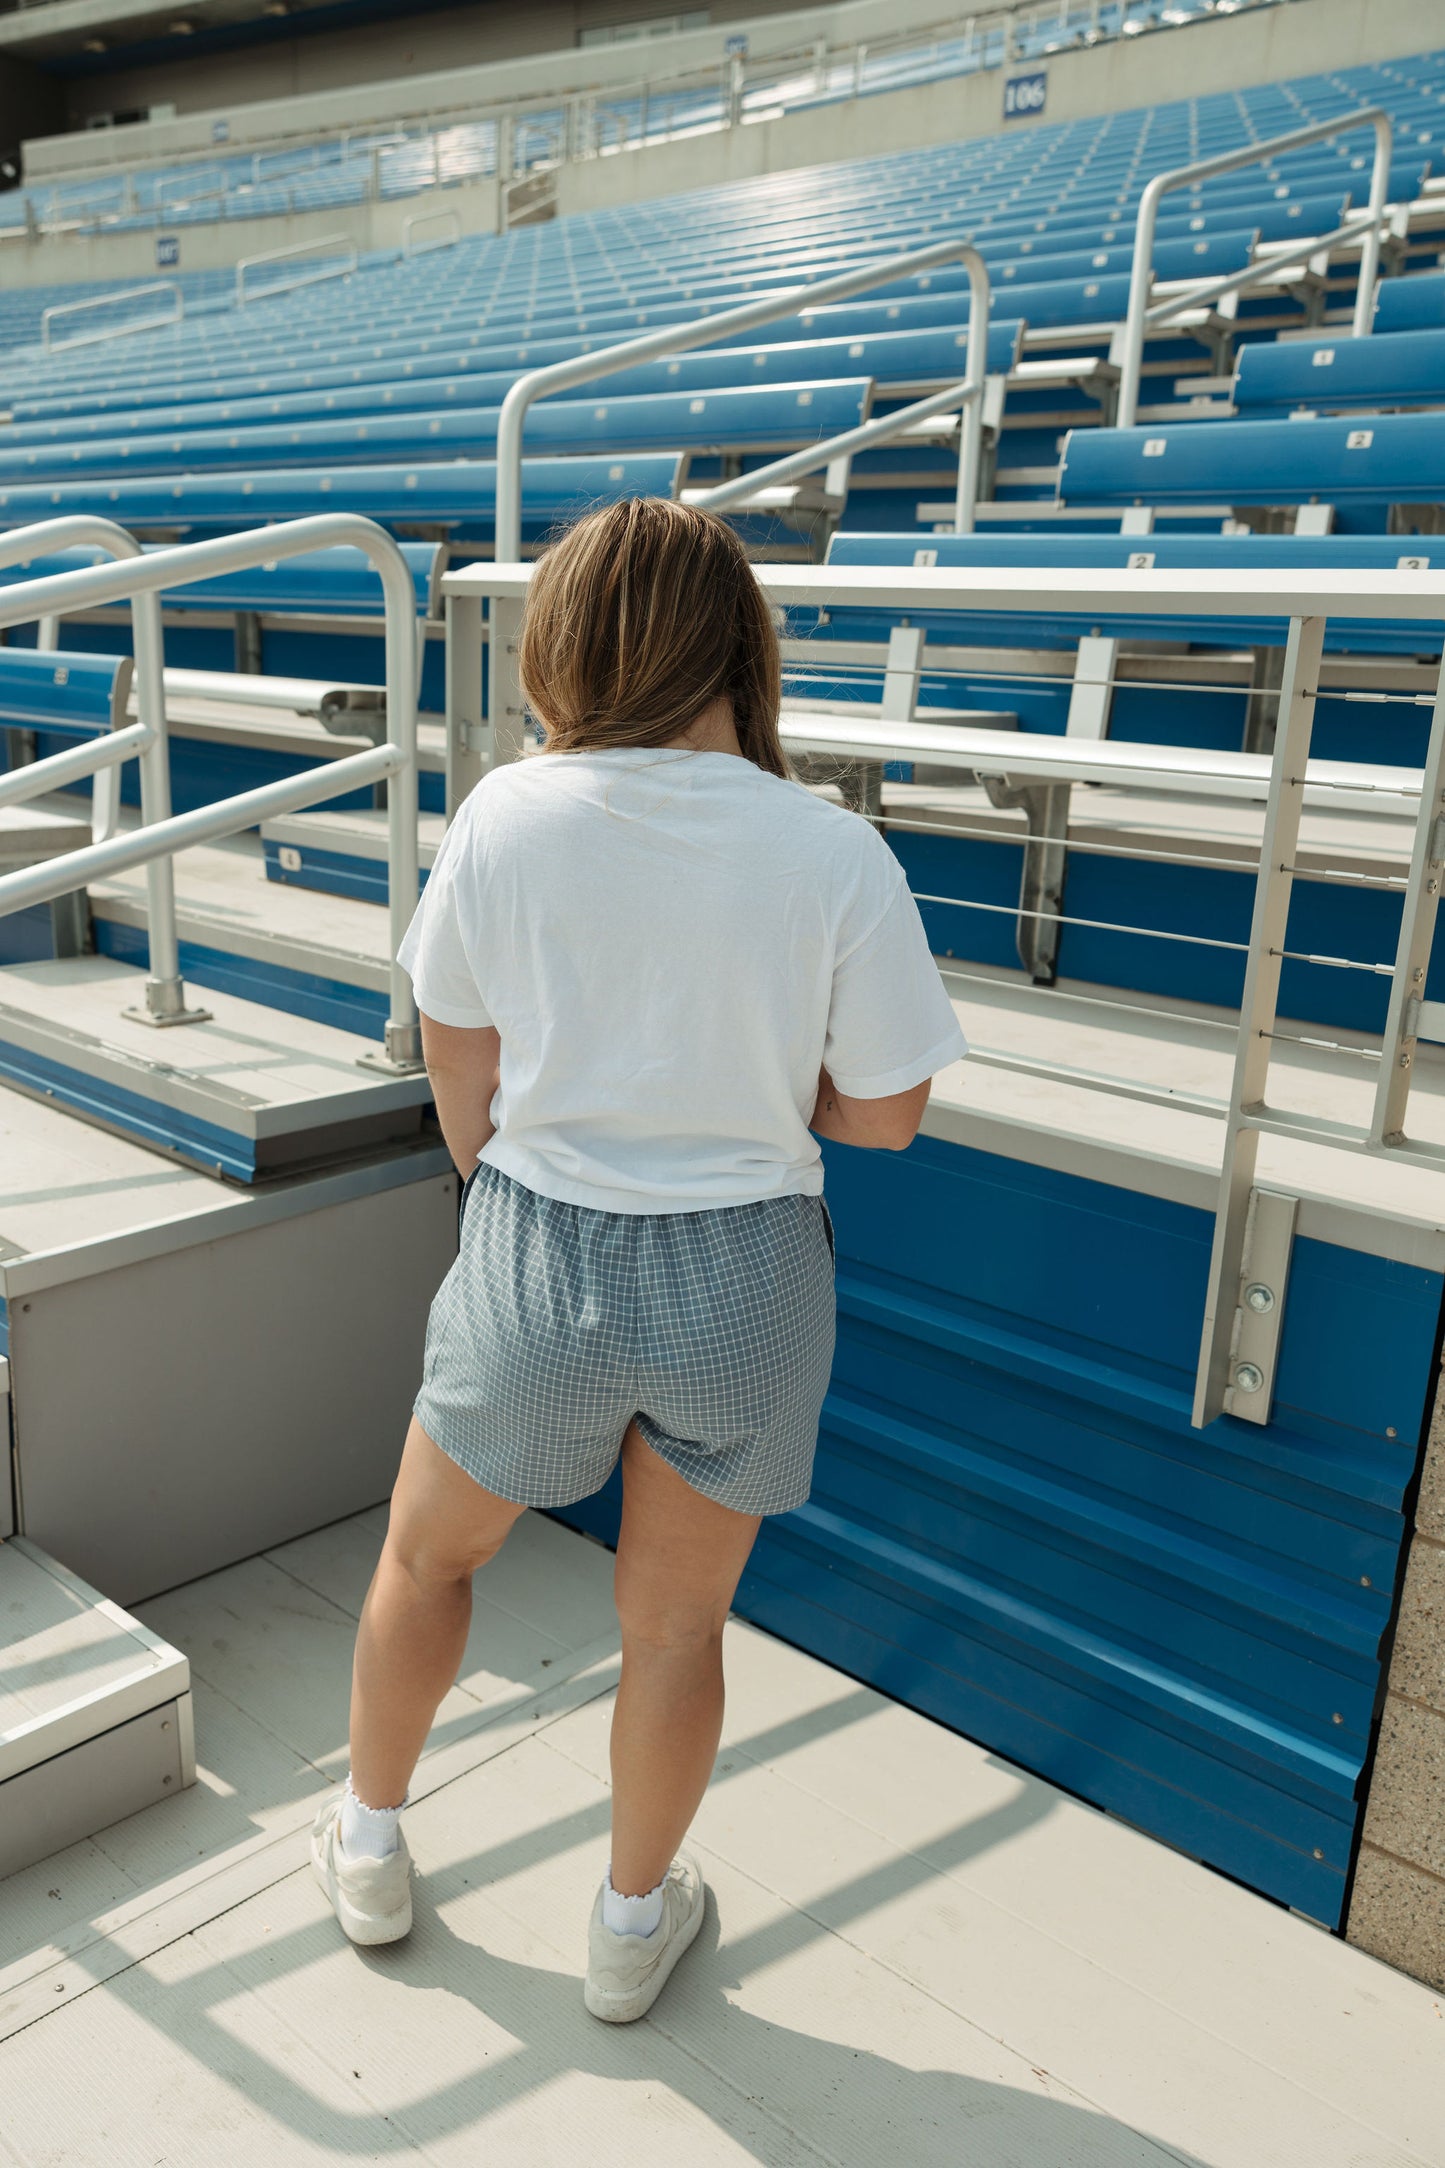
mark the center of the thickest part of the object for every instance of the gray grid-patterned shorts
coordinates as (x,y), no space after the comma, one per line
(558,1325)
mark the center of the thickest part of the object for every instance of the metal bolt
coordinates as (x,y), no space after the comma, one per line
(1337,1718)
(1365,1581)
(1390,1431)
(1318,1853)
(1248,1378)
(1404,1061)
(1259,1297)
(165,1780)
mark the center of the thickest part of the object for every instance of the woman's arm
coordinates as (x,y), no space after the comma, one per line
(887,1125)
(463,1067)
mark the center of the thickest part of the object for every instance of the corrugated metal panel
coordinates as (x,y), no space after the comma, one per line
(1014,1528)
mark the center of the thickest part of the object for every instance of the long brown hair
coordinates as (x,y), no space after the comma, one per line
(640,616)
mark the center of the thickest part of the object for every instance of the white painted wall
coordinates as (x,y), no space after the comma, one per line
(132,256)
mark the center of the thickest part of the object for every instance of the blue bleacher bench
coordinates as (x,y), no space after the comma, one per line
(64,693)
(460,497)
(891,358)
(1416,303)
(1389,459)
(758,418)
(1330,374)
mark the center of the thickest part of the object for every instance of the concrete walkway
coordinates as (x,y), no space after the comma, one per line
(915,1954)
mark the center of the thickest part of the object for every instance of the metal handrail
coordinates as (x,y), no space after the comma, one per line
(885,428)
(678,338)
(334,241)
(114,331)
(1305,599)
(430,218)
(165,992)
(153,845)
(1163,184)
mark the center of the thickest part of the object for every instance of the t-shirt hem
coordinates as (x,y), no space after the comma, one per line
(595,1197)
(447,1012)
(951,1049)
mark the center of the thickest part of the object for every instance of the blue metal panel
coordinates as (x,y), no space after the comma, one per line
(275,986)
(1014,1528)
(334,872)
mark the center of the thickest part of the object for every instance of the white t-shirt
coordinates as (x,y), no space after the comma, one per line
(671,945)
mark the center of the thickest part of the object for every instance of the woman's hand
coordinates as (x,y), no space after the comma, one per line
(464,1067)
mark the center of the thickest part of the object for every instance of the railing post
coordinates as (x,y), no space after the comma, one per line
(1417,932)
(505,700)
(465,729)
(165,992)
(1370,253)
(1278,852)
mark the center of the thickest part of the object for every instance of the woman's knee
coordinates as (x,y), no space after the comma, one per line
(680,1630)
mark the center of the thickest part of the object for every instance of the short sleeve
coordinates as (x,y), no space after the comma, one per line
(891,1024)
(433,950)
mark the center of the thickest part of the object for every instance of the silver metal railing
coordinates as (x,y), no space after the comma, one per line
(1141,314)
(144,740)
(448,238)
(156,322)
(1033,772)
(343,250)
(141,578)
(706,331)
(887,428)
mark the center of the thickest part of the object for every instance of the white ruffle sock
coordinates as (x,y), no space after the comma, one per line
(367,1832)
(631,1915)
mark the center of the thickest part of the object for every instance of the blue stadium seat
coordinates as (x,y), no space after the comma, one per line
(338,583)
(1411,304)
(928,357)
(460,497)
(758,418)
(66,694)
(1391,459)
(1334,374)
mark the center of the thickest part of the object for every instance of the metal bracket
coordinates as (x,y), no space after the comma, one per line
(1045,808)
(248,644)
(1259,1306)
(400,1053)
(165,1005)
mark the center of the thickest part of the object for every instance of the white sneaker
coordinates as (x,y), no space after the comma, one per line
(370,1897)
(627,1973)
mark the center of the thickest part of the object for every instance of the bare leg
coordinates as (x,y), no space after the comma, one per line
(417,1611)
(679,1559)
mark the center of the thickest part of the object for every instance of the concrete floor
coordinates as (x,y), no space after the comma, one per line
(914,1952)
